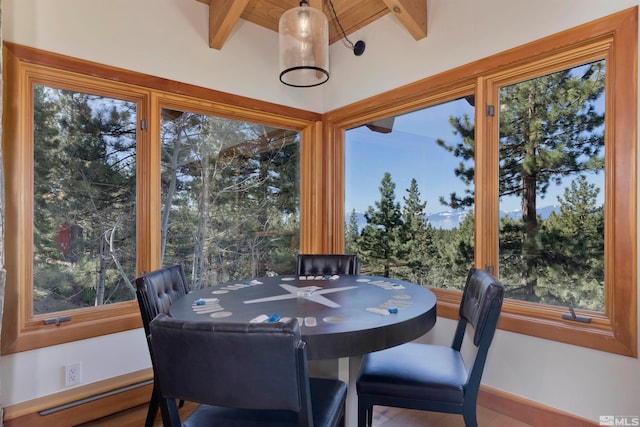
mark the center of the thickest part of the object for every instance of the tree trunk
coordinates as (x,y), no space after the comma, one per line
(168,202)
(530,220)
(529,216)
(102,271)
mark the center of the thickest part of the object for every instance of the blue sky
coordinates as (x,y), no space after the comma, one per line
(410,151)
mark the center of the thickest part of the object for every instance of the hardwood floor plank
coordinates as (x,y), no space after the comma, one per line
(383,417)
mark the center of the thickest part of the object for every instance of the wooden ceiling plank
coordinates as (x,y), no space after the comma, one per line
(223,15)
(316,4)
(412,14)
(266,13)
(353,15)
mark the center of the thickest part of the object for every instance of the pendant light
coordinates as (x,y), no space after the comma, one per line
(304,47)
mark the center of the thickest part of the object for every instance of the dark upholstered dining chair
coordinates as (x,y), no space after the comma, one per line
(242,374)
(432,377)
(156,291)
(316,264)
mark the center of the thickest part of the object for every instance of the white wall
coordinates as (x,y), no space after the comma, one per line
(459,32)
(168,38)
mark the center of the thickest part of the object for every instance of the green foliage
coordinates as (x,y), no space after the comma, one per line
(575,259)
(382,244)
(351,234)
(455,255)
(230,204)
(400,242)
(84,198)
(418,238)
(570,267)
(551,130)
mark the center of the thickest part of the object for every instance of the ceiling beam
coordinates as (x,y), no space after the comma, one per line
(223,16)
(412,14)
(354,14)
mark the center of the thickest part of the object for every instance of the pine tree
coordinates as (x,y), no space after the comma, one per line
(574,259)
(382,243)
(454,254)
(351,234)
(550,129)
(419,241)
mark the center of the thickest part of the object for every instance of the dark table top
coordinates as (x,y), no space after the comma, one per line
(353,315)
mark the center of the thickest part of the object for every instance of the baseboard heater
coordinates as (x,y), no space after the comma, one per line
(88,399)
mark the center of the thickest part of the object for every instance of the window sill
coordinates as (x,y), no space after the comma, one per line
(83,325)
(546,322)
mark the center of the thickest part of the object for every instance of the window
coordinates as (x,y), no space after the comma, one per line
(580,154)
(403,192)
(106,179)
(230,199)
(84,191)
(71,150)
(551,187)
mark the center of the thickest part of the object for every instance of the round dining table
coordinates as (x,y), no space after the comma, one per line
(340,315)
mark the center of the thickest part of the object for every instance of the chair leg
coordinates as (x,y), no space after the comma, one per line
(153,407)
(364,414)
(166,410)
(469,414)
(172,415)
(158,402)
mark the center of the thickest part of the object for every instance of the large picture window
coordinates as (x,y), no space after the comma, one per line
(104,182)
(409,202)
(230,197)
(548,161)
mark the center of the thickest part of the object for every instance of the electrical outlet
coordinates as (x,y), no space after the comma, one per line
(72,374)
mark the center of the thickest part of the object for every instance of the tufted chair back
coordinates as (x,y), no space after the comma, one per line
(323,264)
(155,292)
(481,292)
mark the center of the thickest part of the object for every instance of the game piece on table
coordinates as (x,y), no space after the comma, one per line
(259,319)
(273,318)
(379,311)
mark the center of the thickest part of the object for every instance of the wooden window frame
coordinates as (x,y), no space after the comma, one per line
(614,37)
(22,330)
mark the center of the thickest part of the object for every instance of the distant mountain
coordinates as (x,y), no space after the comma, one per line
(452,219)
(543,212)
(447,219)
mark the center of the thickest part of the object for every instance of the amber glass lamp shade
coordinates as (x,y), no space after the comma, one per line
(304,47)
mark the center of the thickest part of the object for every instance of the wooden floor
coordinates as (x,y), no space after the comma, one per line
(383,417)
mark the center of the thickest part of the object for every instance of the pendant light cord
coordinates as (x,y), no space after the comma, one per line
(358,48)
